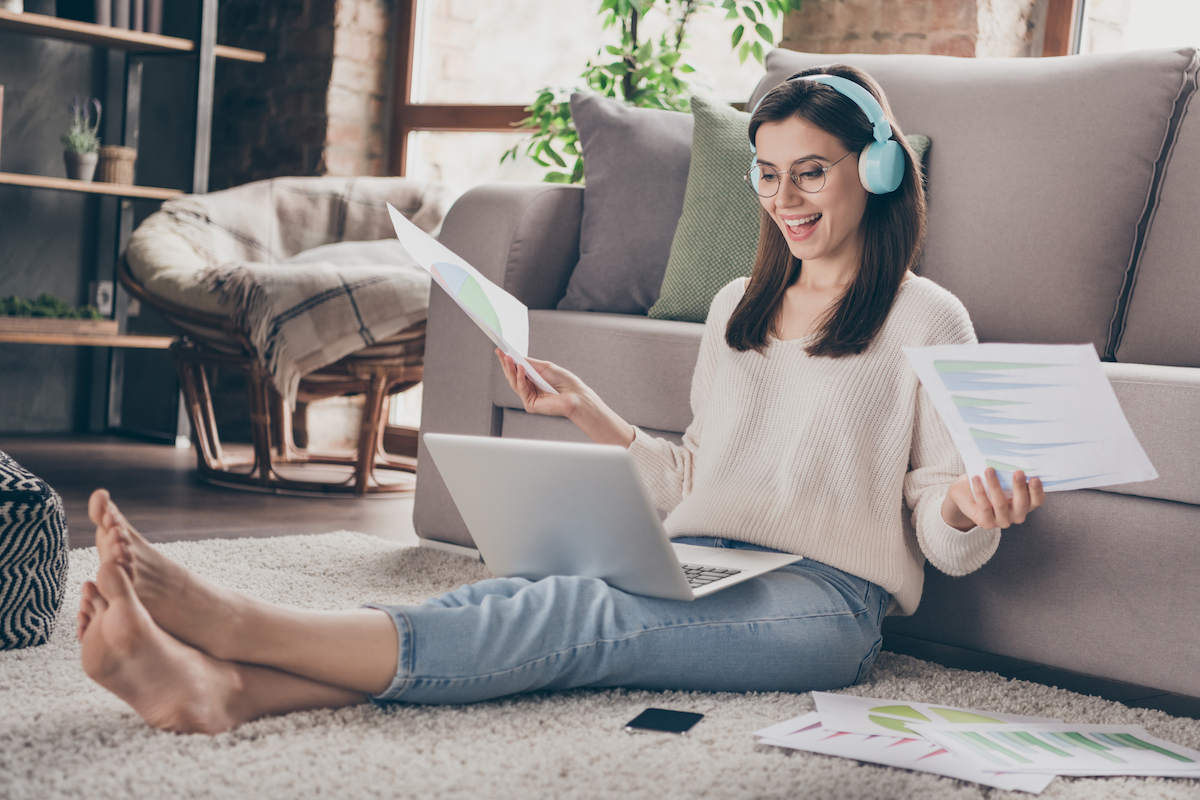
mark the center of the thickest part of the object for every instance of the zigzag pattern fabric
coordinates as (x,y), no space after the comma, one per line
(33,556)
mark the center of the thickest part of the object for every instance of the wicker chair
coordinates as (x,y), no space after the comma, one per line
(211,340)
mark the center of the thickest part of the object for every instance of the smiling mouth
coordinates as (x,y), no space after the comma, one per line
(800,227)
(796,223)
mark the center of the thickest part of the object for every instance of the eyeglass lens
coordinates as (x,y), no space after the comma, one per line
(808,176)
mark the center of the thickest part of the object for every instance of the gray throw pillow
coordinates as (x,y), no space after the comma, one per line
(636,168)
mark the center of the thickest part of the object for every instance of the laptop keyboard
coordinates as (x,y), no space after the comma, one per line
(699,575)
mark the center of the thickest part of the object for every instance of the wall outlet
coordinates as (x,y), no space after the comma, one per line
(100,295)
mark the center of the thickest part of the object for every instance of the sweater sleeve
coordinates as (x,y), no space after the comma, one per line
(934,464)
(665,467)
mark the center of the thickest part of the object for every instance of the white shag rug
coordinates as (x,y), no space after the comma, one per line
(63,736)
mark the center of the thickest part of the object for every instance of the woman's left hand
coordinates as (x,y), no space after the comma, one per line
(988,507)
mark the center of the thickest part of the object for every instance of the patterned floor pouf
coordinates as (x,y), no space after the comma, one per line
(33,556)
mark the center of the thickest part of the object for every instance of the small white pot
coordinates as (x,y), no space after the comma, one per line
(80,166)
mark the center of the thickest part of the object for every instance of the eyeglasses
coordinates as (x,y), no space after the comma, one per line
(808,176)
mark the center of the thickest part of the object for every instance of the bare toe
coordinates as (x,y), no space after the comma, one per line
(97,504)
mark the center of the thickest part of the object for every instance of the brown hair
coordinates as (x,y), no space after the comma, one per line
(893,226)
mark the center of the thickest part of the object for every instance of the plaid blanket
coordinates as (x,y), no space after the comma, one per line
(303,317)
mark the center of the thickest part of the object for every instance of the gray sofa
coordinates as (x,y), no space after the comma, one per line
(1064,197)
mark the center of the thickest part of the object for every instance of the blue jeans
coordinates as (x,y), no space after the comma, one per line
(802,627)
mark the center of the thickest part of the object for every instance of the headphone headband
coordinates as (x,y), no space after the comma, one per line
(861,97)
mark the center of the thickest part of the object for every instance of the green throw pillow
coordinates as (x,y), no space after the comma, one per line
(717,236)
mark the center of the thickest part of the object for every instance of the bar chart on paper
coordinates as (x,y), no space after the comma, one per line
(1046,410)
(1064,749)
(808,733)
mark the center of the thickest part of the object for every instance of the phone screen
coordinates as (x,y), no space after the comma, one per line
(663,721)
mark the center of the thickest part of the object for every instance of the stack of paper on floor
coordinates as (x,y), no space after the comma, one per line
(1007,751)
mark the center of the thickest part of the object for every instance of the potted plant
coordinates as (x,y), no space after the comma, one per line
(81,139)
(644,73)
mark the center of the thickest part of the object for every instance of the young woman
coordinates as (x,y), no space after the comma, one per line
(810,435)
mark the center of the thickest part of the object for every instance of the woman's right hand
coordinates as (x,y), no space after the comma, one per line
(575,400)
(571,390)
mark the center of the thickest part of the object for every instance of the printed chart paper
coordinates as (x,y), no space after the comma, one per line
(1066,749)
(1046,409)
(868,715)
(504,318)
(807,733)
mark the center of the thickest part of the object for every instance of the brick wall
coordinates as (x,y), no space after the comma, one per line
(965,28)
(358,88)
(316,107)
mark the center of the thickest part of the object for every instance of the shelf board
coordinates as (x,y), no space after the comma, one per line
(90,340)
(105,36)
(92,187)
(53,325)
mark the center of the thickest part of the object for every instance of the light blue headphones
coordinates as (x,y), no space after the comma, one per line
(881,163)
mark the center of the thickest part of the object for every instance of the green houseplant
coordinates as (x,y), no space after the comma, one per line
(82,140)
(639,70)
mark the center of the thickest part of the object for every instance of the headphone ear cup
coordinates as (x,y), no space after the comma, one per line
(881,167)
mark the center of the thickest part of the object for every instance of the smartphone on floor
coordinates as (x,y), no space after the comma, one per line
(661,720)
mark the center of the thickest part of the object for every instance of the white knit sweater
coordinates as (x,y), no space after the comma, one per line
(819,456)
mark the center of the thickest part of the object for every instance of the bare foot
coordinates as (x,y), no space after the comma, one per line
(183,604)
(171,685)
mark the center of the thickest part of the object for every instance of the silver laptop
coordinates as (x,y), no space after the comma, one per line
(539,508)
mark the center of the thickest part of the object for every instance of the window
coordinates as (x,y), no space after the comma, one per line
(1109,26)
(465,70)
(1114,25)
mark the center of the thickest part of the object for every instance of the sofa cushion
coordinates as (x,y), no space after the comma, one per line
(635,164)
(1041,255)
(33,557)
(1160,317)
(717,236)
(641,367)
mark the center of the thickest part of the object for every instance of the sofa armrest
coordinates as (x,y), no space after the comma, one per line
(521,236)
(1162,405)
(525,238)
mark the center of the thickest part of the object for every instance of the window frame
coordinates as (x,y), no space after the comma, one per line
(1064,21)
(407,116)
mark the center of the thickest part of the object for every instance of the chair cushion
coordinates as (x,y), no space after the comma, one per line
(33,557)
(636,164)
(1160,318)
(384,252)
(717,236)
(1037,184)
(273,221)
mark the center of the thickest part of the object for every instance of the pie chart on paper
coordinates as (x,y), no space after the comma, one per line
(463,285)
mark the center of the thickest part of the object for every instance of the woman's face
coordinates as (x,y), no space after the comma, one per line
(826,224)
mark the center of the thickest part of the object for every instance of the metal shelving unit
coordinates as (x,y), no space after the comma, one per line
(127,53)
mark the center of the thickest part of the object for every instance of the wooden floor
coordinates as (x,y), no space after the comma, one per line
(157,489)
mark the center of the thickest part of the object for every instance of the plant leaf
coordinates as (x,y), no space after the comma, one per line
(737,35)
(765,33)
